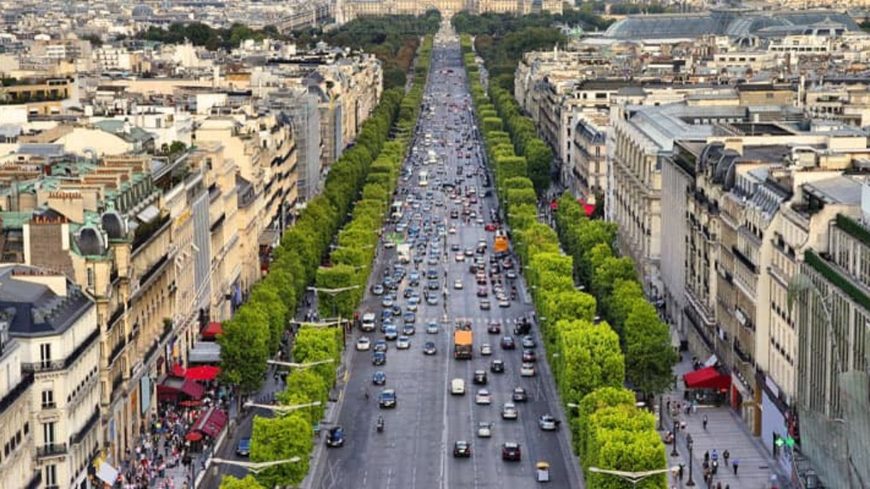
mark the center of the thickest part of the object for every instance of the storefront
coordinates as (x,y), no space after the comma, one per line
(707,385)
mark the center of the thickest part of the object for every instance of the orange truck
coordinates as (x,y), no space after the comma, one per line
(462,344)
(501,245)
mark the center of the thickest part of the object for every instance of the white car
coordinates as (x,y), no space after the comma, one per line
(460,257)
(483,397)
(509,411)
(457,387)
(363,344)
(403,343)
(484,429)
(548,423)
(486,349)
(457,284)
(452,230)
(527,370)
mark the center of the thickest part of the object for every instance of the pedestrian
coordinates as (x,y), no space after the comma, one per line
(704,422)
(734,465)
(668,404)
(719,485)
(707,456)
(726,455)
(694,406)
(683,425)
(714,455)
(680,471)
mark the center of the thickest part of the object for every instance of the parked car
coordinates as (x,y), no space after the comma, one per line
(335,437)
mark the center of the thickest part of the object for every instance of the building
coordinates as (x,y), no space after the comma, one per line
(55,325)
(347,10)
(17,462)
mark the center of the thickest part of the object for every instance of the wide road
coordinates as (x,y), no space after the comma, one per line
(416,448)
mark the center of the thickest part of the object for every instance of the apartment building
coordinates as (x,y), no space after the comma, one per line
(347,10)
(17,464)
(55,325)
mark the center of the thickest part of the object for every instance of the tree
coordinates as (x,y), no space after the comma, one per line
(265,297)
(281,438)
(336,277)
(589,358)
(540,158)
(245,348)
(621,301)
(308,384)
(649,356)
(249,482)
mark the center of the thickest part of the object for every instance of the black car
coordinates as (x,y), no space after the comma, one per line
(529,356)
(511,452)
(494,327)
(480,377)
(519,395)
(461,449)
(387,399)
(335,437)
(429,348)
(496,366)
(379,378)
(433,285)
(507,343)
(379,358)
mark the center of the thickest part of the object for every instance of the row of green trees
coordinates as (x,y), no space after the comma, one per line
(372,182)
(211,38)
(586,356)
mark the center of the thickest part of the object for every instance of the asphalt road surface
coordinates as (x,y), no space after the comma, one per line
(416,448)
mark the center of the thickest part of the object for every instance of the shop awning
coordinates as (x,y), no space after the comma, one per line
(173,387)
(212,330)
(202,372)
(707,378)
(107,474)
(177,370)
(211,422)
(205,352)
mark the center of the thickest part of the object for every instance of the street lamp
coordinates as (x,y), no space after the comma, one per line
(333,293)
(282,408)
(631,477)
(255,467)
(674,452)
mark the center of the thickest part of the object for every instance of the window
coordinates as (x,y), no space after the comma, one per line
(45,354)
(90,278)
(48,399)
(48,435)
(50,475)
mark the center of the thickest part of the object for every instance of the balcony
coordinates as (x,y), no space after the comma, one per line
(39,367)
(13,395)
(51,450)
(49,405)
(87,428)
(144,279)
(146,232)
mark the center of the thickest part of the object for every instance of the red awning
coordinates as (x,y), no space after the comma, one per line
(193,436)
(172,388)
(707,378)
(177,370)
(203,372)
(212,330)
(211,422)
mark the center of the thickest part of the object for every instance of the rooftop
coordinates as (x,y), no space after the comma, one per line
(35,309)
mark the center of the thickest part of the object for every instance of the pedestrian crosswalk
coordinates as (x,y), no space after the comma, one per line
(475,321)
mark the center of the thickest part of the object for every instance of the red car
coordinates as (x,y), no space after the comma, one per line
(490,227)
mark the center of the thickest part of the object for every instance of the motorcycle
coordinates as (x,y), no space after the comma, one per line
(380,425)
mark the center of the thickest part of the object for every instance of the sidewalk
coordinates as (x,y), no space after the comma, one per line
(725,431)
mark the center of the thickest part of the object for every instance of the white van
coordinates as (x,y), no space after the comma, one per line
(457,387)
(368,322)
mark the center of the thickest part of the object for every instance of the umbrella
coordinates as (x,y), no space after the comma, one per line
(177,370)
(204,372)
(193,436)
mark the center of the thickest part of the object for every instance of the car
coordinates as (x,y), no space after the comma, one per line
(380,345)
(504,302)
(507,343)
(433,285)
(494,327)
(484,429)
(409,317)
(455,247)
(403,343)
(396,310)
(413,303)
(511,452)
(519,394)
(387,399)
(548,423)
(479,377)
(457,387)
(452,230)
(528,342)
(468,252)
(483,397)
(527,370)
(511,274)
(485,349)
(432,299)
(363,344)
(461,449)
(379,358)
(391,332)
(457,284)
(429,348)
(490,227)
(335,437)
(529,356)
(409,330)
(243,449)
(485,305)
(431,327)
(378,289)
(482,292)
(509,411)
(379,378)
(387,301)
(496,366)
